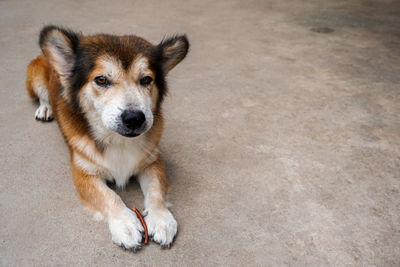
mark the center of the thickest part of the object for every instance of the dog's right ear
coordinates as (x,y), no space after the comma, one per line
(173,50)
(59,46)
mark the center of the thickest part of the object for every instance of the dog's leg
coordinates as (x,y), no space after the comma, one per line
(44,112)
(37,74)
(125,227)
(161,224)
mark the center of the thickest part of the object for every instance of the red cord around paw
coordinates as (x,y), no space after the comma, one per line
(146,234)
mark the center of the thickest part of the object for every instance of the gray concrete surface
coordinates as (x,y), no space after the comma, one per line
(282,139)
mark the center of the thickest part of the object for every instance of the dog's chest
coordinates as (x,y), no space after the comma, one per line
(122,161)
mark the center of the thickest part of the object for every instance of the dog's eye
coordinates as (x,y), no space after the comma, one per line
(146,80)
(101,81)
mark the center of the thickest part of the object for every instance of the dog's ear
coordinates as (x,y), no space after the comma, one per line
(173,50)
(59,45)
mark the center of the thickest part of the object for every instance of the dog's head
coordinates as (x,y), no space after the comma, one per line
(116,82)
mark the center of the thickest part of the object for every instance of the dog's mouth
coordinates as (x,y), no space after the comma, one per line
(130,135)
(129,131)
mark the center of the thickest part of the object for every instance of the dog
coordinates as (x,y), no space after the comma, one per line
(106,92)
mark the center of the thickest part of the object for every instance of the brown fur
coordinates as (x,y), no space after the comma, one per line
(37,71)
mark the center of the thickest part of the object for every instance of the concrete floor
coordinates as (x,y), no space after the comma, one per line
(282,137)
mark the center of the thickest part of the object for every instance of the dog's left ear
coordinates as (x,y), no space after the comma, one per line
(59,45)
(173,50)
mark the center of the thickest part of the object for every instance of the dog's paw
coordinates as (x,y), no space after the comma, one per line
(162,226)
(44,113)
(126,230)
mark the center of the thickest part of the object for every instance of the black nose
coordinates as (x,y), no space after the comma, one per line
(133,119)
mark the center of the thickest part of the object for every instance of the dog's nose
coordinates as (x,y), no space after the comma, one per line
(133,119)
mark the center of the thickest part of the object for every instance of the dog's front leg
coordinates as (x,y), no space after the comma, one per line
(161,224)
(125,227)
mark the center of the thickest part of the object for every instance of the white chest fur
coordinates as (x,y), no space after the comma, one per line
(122,161)
(119,160)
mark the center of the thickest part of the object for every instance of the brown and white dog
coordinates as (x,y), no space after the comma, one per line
(105,92)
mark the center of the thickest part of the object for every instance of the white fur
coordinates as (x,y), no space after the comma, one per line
(119,160)
(122,160)
(126,229)
(161,225)
(41,91)
(140,65)
(113,68)
(44,111)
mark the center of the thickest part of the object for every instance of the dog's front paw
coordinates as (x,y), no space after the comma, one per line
(126,230)
(162,226)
